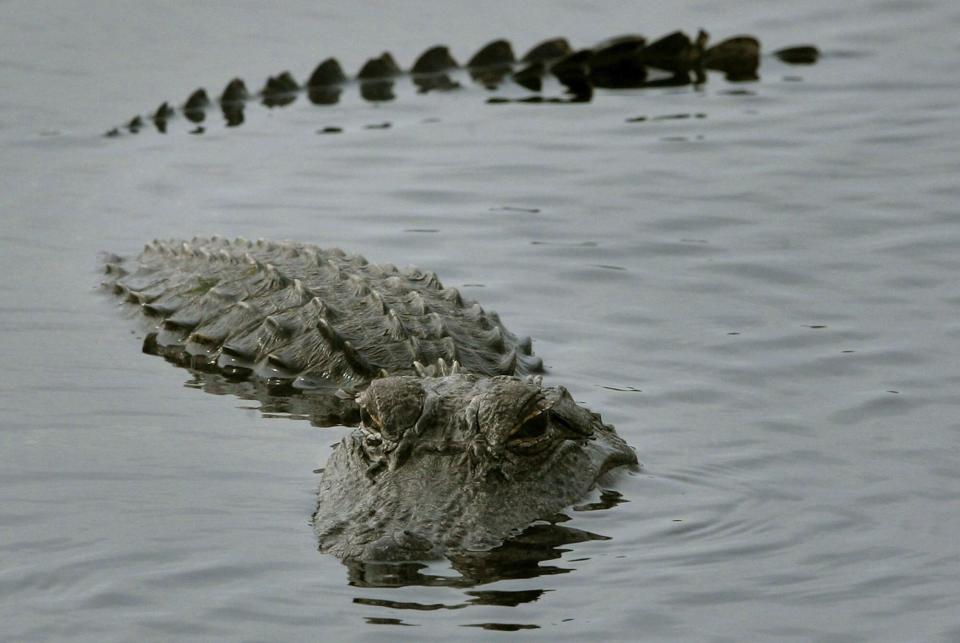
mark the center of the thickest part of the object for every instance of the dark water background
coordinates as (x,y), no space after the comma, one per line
(763,300)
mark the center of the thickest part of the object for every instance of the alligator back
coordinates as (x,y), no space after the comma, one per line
(293,314)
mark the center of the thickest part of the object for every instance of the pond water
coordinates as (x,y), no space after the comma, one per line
(755,282)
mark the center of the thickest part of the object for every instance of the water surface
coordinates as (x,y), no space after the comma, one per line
(761,295)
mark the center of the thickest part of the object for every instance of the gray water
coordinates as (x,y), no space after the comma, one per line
(763,300)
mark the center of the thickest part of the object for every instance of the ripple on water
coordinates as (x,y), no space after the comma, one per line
(762,300)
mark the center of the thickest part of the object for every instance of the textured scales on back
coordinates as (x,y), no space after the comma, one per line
(294,314)
(454,452)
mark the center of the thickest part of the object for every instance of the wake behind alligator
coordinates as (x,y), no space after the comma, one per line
(459,446)
(621,62)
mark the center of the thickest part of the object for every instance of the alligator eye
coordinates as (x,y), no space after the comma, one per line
(534,427)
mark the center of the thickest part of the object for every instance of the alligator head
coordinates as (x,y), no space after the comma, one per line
(460,463)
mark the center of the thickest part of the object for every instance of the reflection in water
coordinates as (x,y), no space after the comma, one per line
(505,598)
(324,95)
(377,91)
(320,408)
(374,620)
(667,117)
(608,500)
(520,557)
(232,114)
(435,82)
(625,62)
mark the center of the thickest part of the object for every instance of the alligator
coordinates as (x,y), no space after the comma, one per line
(627,61)
(458,445)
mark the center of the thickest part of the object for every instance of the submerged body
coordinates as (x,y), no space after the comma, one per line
(457,448)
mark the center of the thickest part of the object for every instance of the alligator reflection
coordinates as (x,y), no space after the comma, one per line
(321,410)
(518,558)
(626,62)
(377,90)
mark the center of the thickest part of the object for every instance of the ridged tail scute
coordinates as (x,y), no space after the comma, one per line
(235,92)
(164,112)
(327,74)
(435,60)
(380,68)
(547,50)
(737,57)
(196,106)
(492,63)
(493,54)
(620,62)
(675,52)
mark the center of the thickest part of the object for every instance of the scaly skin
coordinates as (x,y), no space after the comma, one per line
(458,464)
(295,315)
(456,450)
(621,62)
